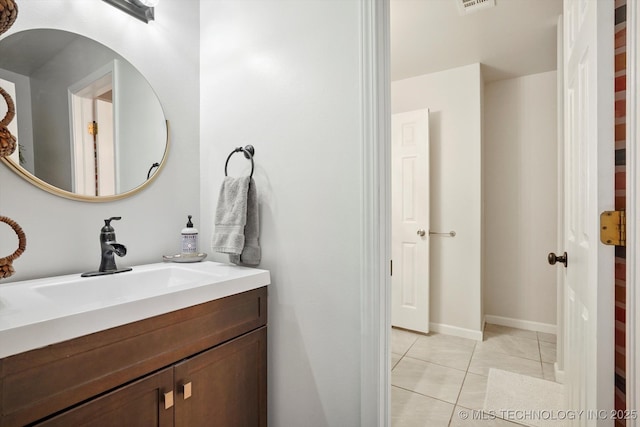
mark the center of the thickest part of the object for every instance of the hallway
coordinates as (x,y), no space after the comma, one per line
(435,378)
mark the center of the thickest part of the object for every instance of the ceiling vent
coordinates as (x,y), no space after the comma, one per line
(465,7)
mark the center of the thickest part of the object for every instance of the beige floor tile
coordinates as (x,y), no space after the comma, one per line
(552,338)
(395,358)
(431,378)
(427,378)
(444,339)
(415,410)
(510,344)
(506,330)
(548,371)
(474,390)
(454,352)
(463,417)
(483,360)
(402,340)
(548,352)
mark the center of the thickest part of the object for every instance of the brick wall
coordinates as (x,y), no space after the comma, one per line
(620,195)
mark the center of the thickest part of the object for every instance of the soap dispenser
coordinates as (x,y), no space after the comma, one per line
(189,239)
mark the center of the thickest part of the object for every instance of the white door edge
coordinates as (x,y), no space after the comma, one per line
(589,190)
(559,364)
(375,283)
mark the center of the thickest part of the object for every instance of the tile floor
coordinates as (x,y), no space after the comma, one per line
(434,377)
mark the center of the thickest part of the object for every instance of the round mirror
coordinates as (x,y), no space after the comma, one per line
(88,124)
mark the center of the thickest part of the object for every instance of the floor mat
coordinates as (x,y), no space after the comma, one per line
(525,400)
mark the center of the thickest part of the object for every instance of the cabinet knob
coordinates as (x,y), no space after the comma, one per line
(168,399)
(186,390)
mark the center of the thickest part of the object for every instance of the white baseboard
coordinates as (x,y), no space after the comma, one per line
(559,373)
(521,324)
(455,331)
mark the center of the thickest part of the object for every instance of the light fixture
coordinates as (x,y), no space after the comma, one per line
(141,9)
(148,3)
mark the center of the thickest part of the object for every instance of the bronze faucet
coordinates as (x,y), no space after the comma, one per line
(108,247)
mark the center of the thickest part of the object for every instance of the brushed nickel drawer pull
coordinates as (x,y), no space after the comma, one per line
(168,399)
(187,390)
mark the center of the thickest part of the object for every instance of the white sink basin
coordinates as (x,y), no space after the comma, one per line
(36,313)
(122,287)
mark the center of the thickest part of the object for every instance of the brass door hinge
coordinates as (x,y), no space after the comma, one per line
(390,267)
(613,228)
(93,128)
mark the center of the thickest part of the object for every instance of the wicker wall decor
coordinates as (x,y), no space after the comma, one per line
(7,141)
(6,263)
(8,14)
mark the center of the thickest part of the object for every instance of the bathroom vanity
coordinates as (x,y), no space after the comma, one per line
(191,365)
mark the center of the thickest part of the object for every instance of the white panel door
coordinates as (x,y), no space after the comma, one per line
(105,149)
(410,220)
(589,171)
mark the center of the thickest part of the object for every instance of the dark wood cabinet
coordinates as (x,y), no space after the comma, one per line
(225,386)
(140,404)
(200,366)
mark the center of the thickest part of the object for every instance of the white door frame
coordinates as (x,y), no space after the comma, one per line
(375,283)
(633,213)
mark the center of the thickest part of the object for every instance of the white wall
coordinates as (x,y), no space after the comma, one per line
(137,147)
(62,235)
(454,99)
(520,152)
(285,77)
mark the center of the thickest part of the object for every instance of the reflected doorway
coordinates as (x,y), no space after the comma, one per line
(93,145)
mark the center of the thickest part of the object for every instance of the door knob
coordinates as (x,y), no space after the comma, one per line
(421,233)
(553,259)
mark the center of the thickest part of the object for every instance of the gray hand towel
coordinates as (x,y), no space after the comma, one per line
(231,216)
(251,252)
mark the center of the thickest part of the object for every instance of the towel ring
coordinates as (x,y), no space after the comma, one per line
(248,151)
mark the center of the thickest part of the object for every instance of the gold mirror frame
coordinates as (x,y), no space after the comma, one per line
(64,191)
(26,175)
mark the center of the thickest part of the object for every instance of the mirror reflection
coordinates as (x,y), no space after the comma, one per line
(87,122)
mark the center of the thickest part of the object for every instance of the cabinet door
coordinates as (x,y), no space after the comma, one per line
(139,404)
(224,386)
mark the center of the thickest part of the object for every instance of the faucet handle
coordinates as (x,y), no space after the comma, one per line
(107,224)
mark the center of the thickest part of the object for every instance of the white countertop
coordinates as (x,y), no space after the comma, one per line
(40,312)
